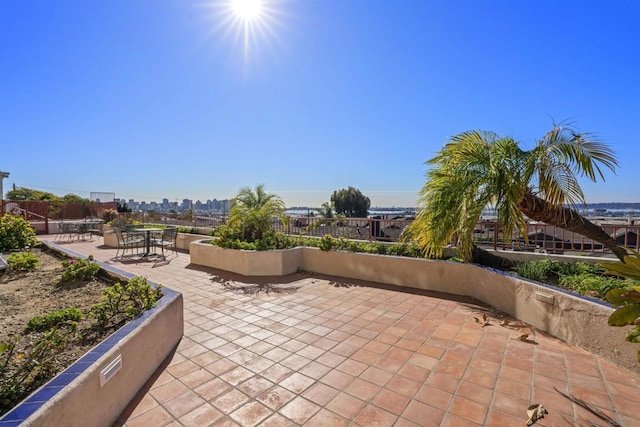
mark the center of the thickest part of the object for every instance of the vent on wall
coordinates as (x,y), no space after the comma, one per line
(110,370)
(548,298)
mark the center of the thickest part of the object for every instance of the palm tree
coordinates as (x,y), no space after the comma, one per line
(253,212)
(326,210)
(477,168)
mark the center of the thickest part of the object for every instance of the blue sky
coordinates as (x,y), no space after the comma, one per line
(161,98)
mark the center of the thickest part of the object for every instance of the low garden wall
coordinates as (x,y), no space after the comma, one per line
(98,387)
(578,320)
(247,263)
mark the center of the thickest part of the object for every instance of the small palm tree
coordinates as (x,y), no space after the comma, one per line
(476,169)
(253,212)
(326,210)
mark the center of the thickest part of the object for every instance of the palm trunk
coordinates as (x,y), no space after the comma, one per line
(540,210)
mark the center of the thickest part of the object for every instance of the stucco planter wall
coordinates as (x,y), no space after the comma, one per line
(247,263)
(77,397)
(575,319)
(183,240)
(110,239)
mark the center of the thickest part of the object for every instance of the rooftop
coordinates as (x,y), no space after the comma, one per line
(344,352)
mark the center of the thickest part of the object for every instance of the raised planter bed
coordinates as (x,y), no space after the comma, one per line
(98,387)
(579,320)
(247,263)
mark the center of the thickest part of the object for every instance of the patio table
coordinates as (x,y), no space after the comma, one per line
(147,239)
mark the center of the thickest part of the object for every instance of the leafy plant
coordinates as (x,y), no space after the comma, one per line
(627,300)
(253,213)
(129,300)
(552,271)
(272,240)
(23,261)
(79,269)
(568,268)
(537,270)
(15,233)
(591,284)
(327,242)
(479,168)
(21,373)
(188,230)
(66,317)
(109,215)
(233,239)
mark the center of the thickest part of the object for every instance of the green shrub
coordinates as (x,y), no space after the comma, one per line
(79,269)
(379,248)
(227,238)
(593,285)
(534,270)
(273,240)
(232,239)
(21,373)
(188,230)
(549,270)
(16,233)
(23,261)
(569,268)
(65,317)
(327,242)
(130,300)
(580,277)
(193,230)
(354,246)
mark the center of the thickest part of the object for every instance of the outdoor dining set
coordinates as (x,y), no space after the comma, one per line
(145,242)
(78,229)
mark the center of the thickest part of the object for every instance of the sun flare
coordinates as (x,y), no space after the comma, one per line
(250,26)
(247,9)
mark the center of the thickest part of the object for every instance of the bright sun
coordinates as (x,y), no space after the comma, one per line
(247,9)
(250,24)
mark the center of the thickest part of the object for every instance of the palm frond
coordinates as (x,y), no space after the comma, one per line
(585,155)
(473,170)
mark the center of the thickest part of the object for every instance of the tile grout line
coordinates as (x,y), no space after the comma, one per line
(608,388)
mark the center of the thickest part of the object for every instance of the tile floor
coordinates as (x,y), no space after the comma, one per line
(337,352)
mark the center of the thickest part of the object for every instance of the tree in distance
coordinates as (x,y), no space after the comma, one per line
(351,203)
(476,169)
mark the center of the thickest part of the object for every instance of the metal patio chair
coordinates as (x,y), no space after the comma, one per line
(128,241)
(167,240)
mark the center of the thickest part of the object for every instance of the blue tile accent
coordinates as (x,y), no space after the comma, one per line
(30,405)
(61,379)
(44,394)
(22,411)
(78,367)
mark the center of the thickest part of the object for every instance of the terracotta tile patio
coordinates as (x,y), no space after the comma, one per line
(350,353)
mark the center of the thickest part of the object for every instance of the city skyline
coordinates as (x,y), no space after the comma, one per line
(175,99)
